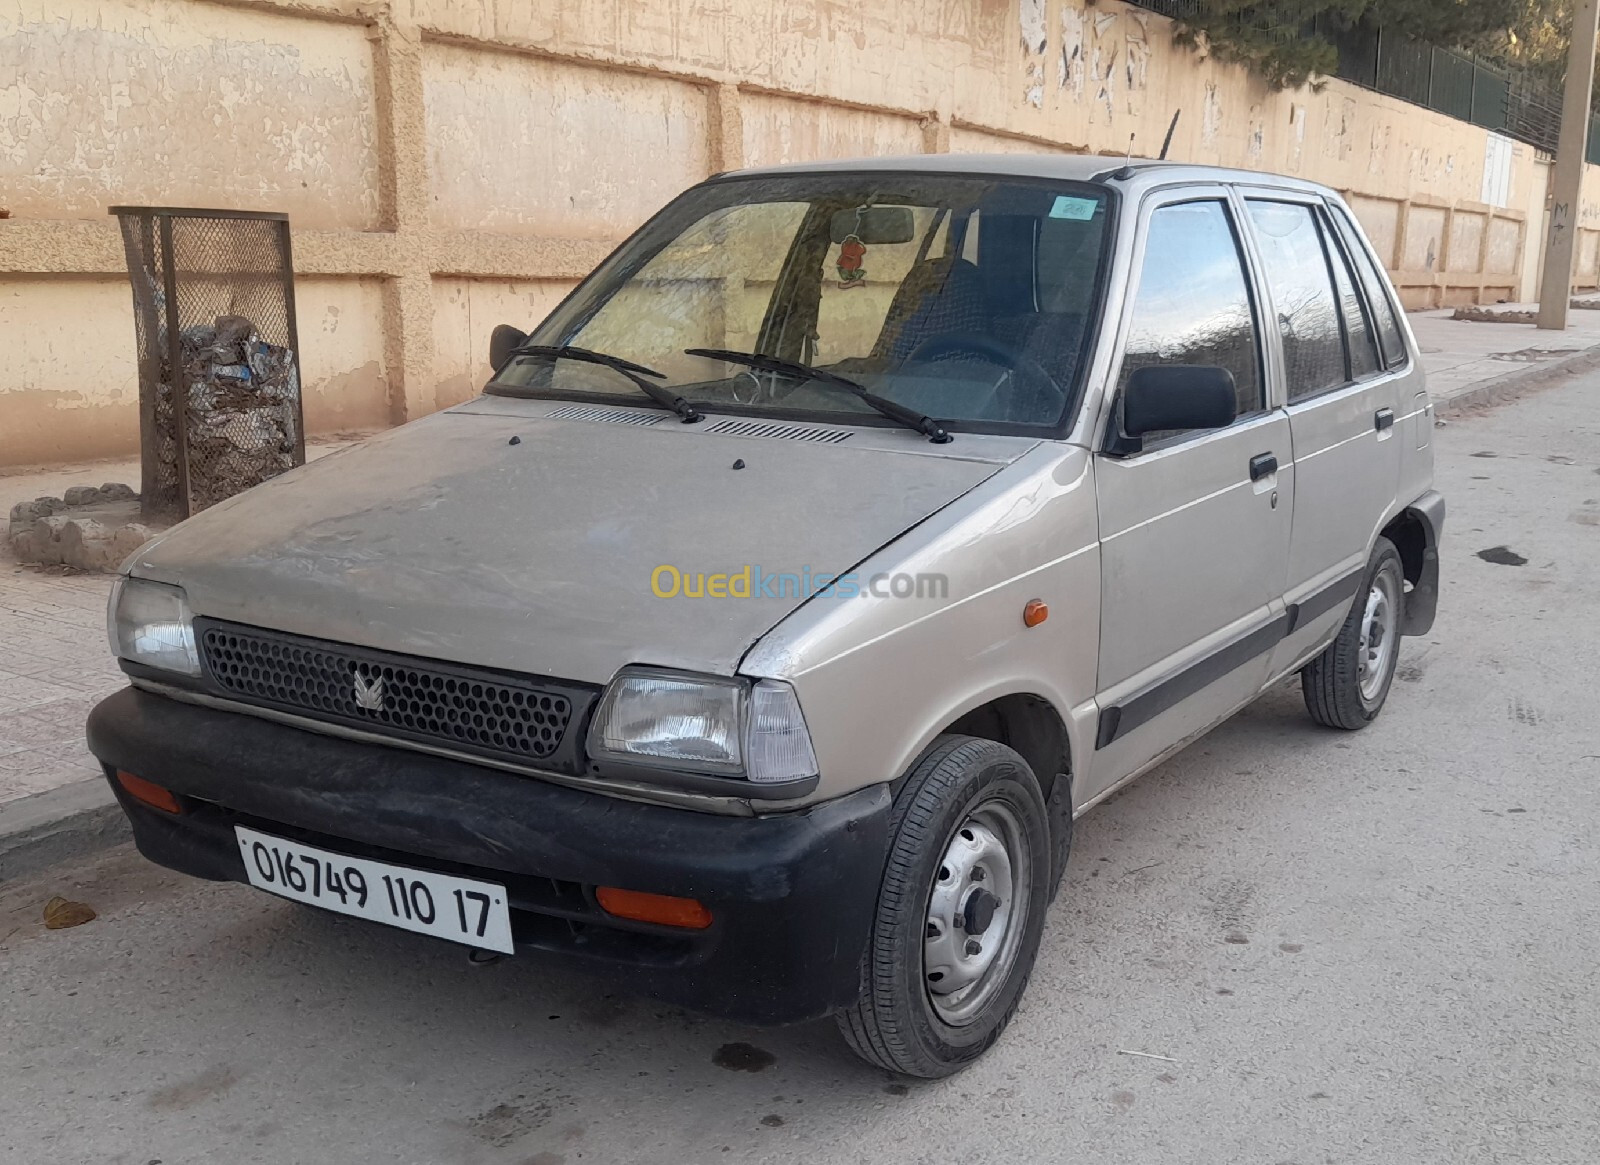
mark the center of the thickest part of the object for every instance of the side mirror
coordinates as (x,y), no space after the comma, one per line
(1178,396)
(502,342)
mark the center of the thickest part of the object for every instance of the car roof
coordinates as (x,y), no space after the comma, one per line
(1106,169)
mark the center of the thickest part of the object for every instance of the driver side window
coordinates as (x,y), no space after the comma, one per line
(1193,305)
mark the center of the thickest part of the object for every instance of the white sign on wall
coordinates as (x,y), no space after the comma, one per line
(1497,151)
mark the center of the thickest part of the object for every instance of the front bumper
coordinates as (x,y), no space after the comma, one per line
(792,895)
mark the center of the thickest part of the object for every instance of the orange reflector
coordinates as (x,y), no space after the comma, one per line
(1034,613)
(659,908)
(149,793)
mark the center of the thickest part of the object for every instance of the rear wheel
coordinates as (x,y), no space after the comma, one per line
(1346,685)
(960,912)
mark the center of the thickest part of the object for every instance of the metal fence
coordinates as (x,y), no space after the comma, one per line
(1454,83)
(1462,85)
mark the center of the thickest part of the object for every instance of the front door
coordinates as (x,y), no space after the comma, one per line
(1194,525)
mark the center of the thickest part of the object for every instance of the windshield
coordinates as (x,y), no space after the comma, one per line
(969,300)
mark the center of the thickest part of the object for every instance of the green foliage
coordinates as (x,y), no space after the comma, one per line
(1539,38)
(1287,41)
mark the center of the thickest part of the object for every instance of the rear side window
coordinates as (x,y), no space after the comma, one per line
(1360,341)
(1376,286)
(1193,306)
(1296,268)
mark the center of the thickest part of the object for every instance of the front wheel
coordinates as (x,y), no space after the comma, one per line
(1346,685)
(960,913)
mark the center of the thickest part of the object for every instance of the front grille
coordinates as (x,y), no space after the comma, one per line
(476,710)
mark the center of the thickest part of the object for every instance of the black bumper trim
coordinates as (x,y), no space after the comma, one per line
(1319,602)
(793,894)
(1142,707)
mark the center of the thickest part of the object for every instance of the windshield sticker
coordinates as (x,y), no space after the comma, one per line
(1076,209)
(851,272)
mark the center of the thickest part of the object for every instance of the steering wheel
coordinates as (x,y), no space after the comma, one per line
(996,353)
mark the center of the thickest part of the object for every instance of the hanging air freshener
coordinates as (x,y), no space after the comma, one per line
(851,273)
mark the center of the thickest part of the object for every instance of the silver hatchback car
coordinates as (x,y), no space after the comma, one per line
(754,639)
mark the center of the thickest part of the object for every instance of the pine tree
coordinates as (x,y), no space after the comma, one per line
(1287,41)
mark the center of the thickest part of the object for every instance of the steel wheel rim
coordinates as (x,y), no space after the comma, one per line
(962,971)
(1380,634)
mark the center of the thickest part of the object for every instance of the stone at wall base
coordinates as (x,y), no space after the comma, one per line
(89,528)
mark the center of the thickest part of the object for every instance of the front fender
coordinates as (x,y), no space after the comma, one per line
(879,678)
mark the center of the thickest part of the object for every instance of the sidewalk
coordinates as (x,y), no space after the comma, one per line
(1475,363)
(56,664)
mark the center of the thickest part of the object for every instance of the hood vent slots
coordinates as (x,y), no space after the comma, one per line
(770,430)
(778,432)
(607,416)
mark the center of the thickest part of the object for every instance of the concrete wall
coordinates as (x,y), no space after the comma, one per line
(450,166)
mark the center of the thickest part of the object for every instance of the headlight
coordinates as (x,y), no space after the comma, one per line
(150,623)
(703,724)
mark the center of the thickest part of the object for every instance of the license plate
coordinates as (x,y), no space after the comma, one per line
(461,910)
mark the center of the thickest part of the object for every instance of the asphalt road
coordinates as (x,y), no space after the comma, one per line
(1420,904)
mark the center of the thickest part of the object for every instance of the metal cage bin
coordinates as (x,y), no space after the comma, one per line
(219,375)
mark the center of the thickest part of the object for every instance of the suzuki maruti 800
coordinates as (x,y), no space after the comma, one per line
(754,639)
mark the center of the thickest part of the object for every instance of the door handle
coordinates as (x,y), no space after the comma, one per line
(1261,465)
(1383,419)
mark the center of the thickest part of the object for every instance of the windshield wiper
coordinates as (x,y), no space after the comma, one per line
(636,373)
(895,411)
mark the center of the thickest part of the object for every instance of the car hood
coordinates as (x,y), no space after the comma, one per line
(499,536)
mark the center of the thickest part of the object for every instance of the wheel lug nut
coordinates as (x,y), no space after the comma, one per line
(974,946)
(977,873)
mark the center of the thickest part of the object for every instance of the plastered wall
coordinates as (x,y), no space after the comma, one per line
(448,166)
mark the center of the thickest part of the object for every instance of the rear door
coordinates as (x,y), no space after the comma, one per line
(1342,405)
(1194,525)
(1399,356)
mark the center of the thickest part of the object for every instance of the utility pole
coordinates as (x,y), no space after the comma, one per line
(1555,290)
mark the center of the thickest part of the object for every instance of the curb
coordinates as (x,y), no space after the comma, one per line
(60,825)
(1499,389)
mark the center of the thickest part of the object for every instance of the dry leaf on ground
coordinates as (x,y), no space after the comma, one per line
(60,913)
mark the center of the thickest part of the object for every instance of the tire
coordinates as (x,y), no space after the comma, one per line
(961,797)
(1339,691)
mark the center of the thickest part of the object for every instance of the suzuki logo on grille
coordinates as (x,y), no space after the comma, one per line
(369,693)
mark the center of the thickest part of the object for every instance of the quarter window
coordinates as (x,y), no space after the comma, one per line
(1377,289)
(1193,305)
(1296,268)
